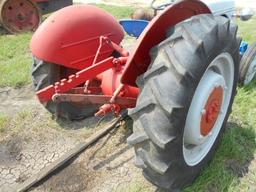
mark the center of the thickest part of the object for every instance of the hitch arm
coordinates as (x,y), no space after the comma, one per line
(78,78)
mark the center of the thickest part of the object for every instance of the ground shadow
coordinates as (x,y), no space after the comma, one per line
(233,158)
(120,150)
(88,123)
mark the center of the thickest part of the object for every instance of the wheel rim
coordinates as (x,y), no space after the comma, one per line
(208,109)
(20,15)
(251,72)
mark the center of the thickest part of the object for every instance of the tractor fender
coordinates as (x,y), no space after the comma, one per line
(71,36)
(155,32)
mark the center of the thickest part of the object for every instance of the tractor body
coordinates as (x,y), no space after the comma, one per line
(178,82)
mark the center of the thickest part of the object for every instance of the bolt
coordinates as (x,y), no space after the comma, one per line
(203,112)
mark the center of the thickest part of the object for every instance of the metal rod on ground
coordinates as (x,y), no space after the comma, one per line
(68,156)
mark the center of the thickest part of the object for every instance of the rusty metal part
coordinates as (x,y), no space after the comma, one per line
(105,100)
(126,102)
(18,16)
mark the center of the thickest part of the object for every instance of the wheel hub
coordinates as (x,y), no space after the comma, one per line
(19,15)
(205,108)
(212,110)
(208,109)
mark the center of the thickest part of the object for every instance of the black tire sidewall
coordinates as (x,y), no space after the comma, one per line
(246,61)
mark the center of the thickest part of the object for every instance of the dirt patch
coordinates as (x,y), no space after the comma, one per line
(25,155)
(237,168)
(32,140)
(10,151)
(15,100)
(106,167)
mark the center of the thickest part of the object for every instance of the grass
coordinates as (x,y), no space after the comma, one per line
(230,163)
(118,12)
(15,60)
(247,29)
(233,167)
(3,122)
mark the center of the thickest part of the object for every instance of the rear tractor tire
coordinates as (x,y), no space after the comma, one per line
(185,100)
(45,74)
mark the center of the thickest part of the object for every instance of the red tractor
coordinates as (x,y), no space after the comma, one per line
(179,82)
(18,16)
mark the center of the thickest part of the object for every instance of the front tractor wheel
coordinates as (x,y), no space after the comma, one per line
(185,101)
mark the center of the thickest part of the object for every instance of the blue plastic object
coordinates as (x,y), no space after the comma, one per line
(134,28)
(243,47)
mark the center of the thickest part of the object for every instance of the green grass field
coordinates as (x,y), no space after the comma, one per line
(233,167)
(15,60)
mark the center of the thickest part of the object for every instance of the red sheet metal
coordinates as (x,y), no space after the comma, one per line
(71,36)
(155,33)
